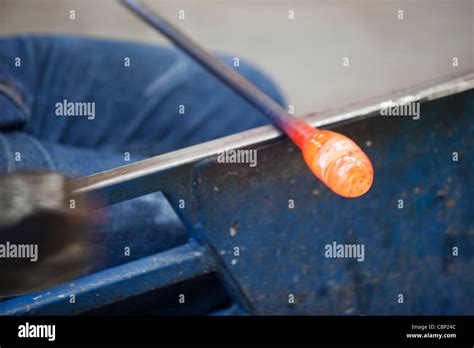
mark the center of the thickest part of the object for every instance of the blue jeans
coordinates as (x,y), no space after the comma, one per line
(139,93)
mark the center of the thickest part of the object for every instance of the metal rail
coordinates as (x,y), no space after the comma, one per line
(115,284)
(108,182)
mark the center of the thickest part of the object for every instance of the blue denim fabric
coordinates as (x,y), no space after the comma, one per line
(136,111)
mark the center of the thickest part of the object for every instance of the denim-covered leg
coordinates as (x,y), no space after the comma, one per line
(136,107)
(147,99)
(136,110)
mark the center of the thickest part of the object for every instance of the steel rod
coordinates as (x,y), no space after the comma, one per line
(335,159)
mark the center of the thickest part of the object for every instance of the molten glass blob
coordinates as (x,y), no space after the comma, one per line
(338,162)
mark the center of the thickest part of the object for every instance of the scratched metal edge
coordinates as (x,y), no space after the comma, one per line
(266,133)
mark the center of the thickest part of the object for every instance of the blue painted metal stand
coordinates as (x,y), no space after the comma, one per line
(408,251)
